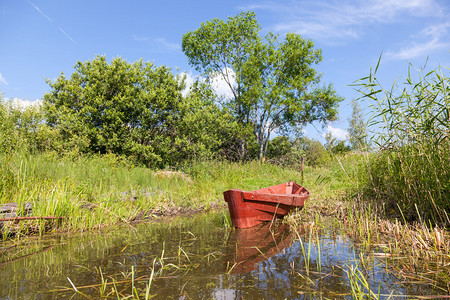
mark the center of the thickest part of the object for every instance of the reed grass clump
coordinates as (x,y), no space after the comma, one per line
(410,172)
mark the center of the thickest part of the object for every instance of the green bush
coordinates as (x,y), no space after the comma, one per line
(23,128)
(136,110)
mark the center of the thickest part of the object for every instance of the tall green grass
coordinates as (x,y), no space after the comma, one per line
(410,173)
(94,191)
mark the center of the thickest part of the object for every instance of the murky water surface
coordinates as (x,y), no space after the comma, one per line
(196,258)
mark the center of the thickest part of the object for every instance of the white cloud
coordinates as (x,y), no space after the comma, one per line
(189,81)
(23,104)
(220,86)
(433,36)
(336,19)
(340,134)
(169,46)
(3,80)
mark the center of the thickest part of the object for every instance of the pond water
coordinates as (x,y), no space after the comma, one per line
(197,257)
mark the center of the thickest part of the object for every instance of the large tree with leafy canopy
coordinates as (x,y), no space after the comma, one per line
(137,110)
(273,82)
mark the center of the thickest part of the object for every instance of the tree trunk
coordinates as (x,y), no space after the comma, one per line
(266,143)
(261,149)
(242,150)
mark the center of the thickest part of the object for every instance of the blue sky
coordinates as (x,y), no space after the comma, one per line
(41,38)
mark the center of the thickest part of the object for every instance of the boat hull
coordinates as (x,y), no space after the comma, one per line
(248,209)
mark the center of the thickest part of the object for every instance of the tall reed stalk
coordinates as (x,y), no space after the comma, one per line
(411,170)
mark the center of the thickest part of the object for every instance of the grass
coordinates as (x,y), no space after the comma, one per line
(93,192)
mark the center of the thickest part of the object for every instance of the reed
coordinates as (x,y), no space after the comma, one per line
(360,285)
(411,170)
(418,250)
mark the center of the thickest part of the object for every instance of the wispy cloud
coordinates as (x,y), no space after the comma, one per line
(325,20)
(139,38)
(162,43)
(40,11)
(68,36)
(51,21)
(433,37)
(3,80)
(169,46)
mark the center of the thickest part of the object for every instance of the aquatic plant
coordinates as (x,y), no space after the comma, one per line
(411,170)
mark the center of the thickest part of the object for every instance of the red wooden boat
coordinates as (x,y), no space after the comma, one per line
(248,209)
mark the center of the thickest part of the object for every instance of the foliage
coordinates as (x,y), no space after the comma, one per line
(282,151)
(274,84)
(289,153)
(335,146)
(279,146)
(315,153)
(340,148)
(213,129)
(117,108)
(357,130)
(136,110)
(22,128)
(411,171)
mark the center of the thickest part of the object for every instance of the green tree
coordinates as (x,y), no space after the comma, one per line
(203,129)
(120,108)
(357,130)
(279,146)
(136,110)
(21,128)
(335,146)
(273,83)
(340,148)
(330,141)
(313,151)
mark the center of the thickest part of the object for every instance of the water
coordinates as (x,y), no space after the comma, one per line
(196,258)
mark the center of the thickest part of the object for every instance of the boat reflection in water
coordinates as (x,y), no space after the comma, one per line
(250,246)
